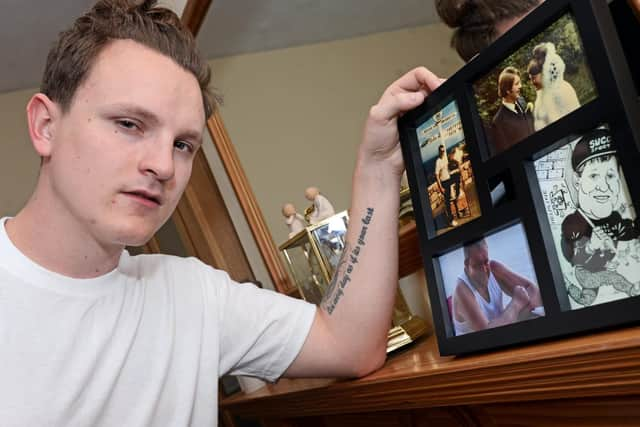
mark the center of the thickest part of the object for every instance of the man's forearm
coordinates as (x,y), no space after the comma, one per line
(509,316)
(355,315)
(359,303)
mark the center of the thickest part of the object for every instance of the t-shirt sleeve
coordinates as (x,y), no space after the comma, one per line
(439,166)
(260,331)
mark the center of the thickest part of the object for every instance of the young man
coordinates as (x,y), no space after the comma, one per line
(513,121)
(93,336)
(478,296)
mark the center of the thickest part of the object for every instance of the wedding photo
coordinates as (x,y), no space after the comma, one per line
(541,82)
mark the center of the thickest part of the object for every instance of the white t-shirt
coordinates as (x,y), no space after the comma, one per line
(492,309)
(143,345)
(442,169)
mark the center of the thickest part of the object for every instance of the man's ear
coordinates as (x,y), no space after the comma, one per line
(576,180)
(42,114)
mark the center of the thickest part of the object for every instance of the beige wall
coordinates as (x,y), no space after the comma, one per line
(295,115)
(18,162)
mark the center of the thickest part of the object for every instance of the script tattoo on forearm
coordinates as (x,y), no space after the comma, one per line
(345,266)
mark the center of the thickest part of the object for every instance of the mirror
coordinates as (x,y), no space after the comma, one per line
(295,114)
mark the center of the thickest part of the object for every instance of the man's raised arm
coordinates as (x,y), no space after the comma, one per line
(508,280)
(349,333)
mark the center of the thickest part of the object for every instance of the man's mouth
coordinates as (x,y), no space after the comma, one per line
(145,196)
(602,199)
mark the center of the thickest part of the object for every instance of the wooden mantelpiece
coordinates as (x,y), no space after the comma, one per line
(408,250)
(604,366)
(587,381)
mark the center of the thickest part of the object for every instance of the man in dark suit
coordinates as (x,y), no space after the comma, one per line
(513,122)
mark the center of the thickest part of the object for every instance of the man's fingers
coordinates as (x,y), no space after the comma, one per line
(406,93)
(392,106)
(416,79)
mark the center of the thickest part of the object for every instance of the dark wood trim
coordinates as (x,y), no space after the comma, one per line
(599,365)
(249,205)
(152,246)
(205,226)
(220,245)
(409,250)
(201,217)
(194,13)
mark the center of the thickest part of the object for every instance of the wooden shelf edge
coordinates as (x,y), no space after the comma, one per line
(599,365)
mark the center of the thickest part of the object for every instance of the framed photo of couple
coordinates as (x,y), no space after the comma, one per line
(524,180)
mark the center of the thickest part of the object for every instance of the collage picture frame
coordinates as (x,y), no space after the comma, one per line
(523,178)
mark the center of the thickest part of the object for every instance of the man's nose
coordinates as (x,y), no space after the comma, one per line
(157,160)
(601,184)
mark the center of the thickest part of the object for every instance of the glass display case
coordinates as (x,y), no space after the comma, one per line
(312,256)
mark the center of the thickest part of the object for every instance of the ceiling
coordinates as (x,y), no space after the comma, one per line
(242,26)
(28,27)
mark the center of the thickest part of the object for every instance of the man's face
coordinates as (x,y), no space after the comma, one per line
(599,188)
(477,265)
(514,93)
(121,156)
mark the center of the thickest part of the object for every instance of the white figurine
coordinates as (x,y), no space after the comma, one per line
(293,219)
(322,208)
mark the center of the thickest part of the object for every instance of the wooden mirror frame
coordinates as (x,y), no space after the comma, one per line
(249,204)
(213,238)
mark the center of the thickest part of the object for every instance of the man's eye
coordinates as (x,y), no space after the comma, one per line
(183,146)
(127,124)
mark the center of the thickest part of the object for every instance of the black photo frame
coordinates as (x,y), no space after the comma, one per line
(447,176)
(596,145)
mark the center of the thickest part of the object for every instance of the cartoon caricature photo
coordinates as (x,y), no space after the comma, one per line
(593,222)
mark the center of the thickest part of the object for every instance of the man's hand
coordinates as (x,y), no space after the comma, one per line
(380,145)
(535,300)
(520,298)
(600,241)
(510,281)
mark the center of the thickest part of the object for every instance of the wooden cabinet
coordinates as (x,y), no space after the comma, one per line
(589,380)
